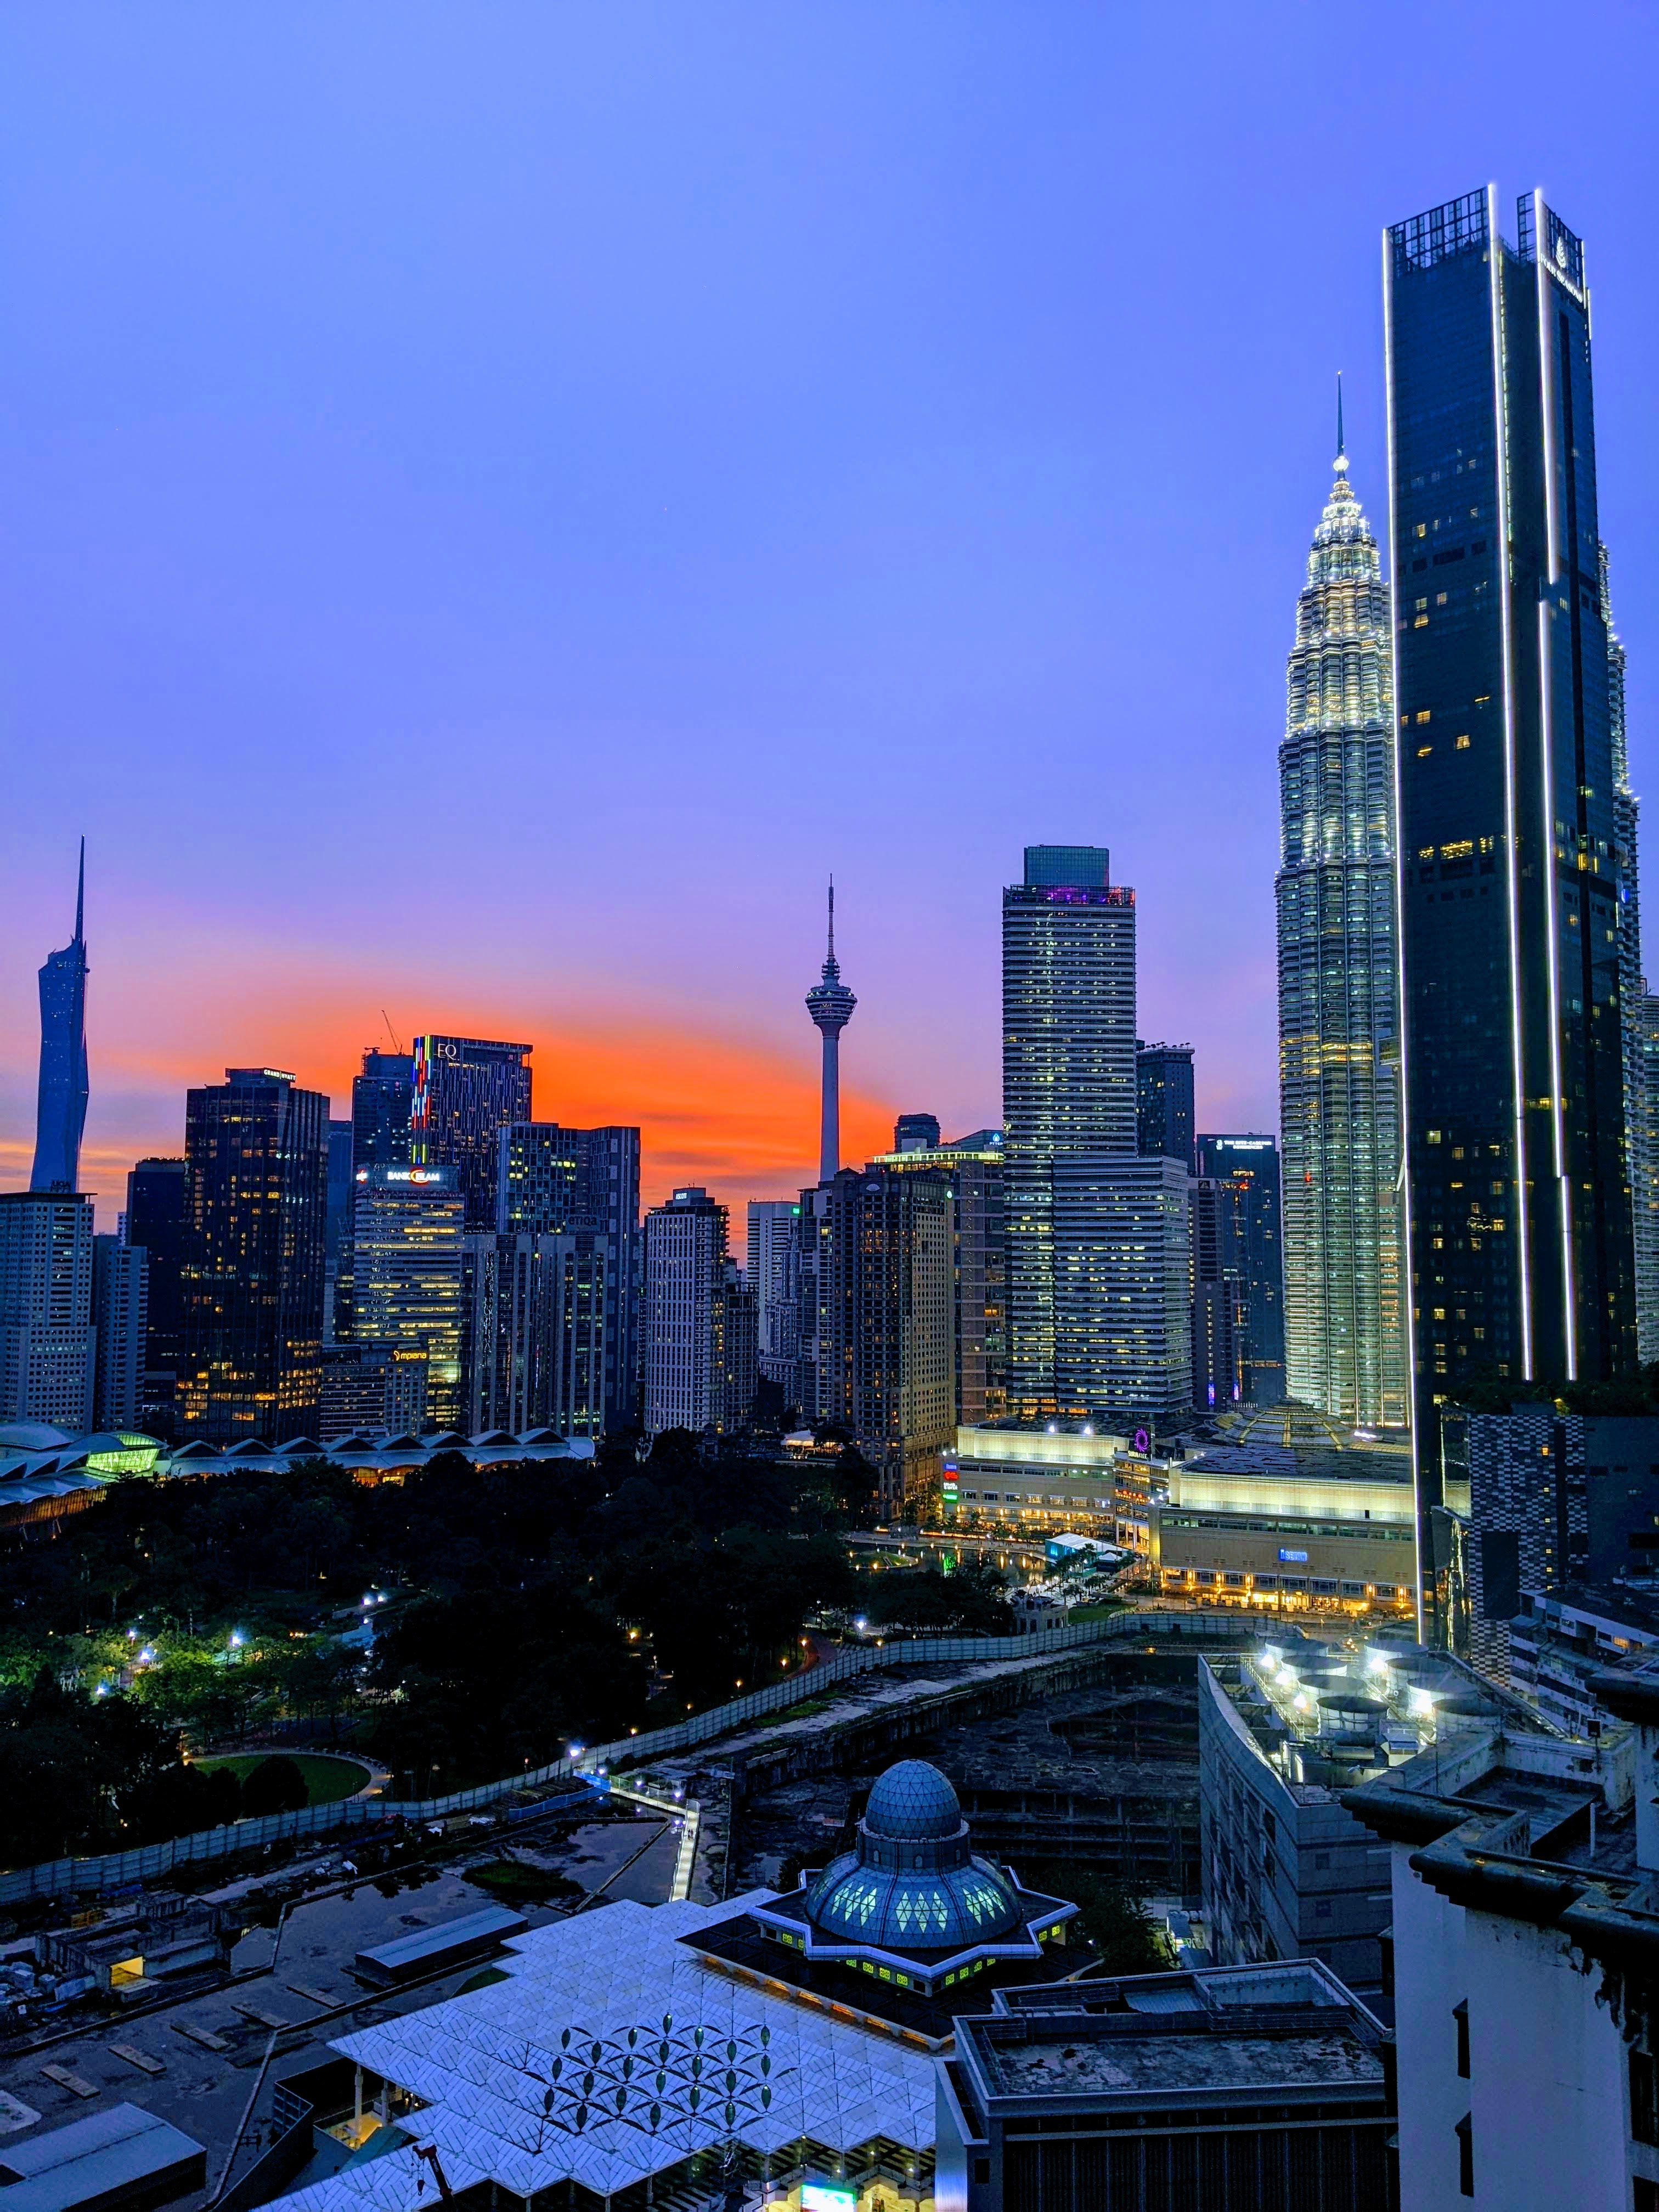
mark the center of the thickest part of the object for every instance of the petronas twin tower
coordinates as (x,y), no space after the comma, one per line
(1339,1018)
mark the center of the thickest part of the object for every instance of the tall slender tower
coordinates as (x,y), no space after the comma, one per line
(1345,1339)
(61,1110)
(831,1004)
(1518,1216)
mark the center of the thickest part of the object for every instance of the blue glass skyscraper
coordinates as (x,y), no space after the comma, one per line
(61,1112)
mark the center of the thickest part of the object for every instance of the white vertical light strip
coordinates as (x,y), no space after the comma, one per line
(1494,286)
(1547,724)
(1407,1290)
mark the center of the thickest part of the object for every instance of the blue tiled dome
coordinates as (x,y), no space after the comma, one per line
(913,1884)
(913,1799)
(942,1909)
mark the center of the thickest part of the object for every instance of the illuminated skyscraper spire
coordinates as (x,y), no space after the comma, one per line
(1344,1348)
(61,1110)
(831,1004)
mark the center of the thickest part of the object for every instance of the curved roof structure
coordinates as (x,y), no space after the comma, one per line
(913,1895)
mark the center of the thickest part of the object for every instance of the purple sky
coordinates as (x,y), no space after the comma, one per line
(498,500)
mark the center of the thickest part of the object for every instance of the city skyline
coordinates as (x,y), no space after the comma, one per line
(751,505)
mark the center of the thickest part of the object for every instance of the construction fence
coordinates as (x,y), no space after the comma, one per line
(64,1879)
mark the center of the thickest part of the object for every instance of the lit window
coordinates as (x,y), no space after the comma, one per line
(1424,713)
(1423,751)
(1462,745)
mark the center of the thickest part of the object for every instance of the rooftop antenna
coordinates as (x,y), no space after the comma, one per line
(1341,448)
(80,891)
(832,918)
(390,1031)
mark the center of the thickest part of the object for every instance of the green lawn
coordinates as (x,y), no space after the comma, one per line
(327,1779)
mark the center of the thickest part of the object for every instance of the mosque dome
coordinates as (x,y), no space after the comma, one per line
(914,1883)
(913,1799)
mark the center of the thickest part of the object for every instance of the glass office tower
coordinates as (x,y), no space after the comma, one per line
(1068,1076)
(1344,1341)
(1247,1168)
(464,1092)
(251,1277)
(1166,1115)
(1518,1216)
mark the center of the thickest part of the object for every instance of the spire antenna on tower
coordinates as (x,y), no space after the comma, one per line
(832,917)
(80,892)
(1341,444)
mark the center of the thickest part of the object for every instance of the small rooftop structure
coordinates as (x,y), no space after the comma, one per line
(123,2156)
(447,1945)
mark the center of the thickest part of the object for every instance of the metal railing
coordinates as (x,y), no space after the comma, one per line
(96,1877)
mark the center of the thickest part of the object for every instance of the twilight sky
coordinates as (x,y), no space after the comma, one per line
(497,501)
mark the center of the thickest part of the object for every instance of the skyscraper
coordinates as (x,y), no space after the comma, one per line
(61,1107)
(47,1344)
(1517,1207)
(1218,1295)
(381,1098)
(537,1320)
(1165,1118)
(120,1285)
(1345,1340)
(831,1004)
(1124,1351)
(888,1345)
(156,1220)
(1247,1169)
(774,1270)
(554,1181)
(685,1252)
(406,1275)
(1068,1075)
(465,1090)
(973,1167)
(256,1195)
(337,1247)
(1641,1103)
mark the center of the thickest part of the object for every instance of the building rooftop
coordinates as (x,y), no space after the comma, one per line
(116,2157)
(498,2092)
(1289,2031)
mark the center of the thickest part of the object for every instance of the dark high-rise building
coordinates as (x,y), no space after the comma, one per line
(156,1220)
(465,1091)
(736,1349)
(915,1132)
(381,1097)
(555,1182)
(336,1249)
(537,1311)
(1247,1168)
(772,1266)
(1068,1075)
(973,1166)
(61,1106)
(256,1201)
(1164,1112)
(887,1344)
(120,1300)
(1217,1295)
(1518,1209)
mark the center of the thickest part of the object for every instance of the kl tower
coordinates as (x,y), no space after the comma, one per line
(831,1004)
